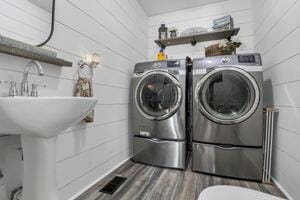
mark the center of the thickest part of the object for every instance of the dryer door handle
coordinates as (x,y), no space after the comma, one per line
(156,140)
(160,141)
(226,147)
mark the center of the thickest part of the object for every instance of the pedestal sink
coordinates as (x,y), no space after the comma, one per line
(39,120)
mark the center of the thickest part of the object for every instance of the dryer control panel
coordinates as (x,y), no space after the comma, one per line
(251,59)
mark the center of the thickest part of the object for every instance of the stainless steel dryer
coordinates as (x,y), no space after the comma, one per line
(228,116)
(159,113)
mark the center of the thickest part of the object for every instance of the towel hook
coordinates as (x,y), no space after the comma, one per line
(85,70)
(92,62)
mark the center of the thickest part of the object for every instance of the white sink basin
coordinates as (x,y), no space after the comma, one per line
(42,116)
(39,120)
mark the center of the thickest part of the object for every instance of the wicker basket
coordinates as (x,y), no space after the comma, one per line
(215,50)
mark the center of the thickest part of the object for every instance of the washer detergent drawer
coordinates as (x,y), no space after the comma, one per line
(159,152)
(236,162)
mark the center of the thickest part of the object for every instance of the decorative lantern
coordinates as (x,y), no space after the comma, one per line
(163,32)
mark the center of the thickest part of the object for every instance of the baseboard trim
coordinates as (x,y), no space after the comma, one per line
(282,189)
(99,179)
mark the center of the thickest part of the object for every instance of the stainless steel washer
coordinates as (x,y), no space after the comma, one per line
(228,116)
(159,113)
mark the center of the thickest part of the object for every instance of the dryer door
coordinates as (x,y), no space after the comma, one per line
(158,95)
(227,95)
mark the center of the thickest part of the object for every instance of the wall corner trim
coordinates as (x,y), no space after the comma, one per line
(282,189)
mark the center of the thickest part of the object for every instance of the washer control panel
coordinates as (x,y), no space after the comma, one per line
(246,59)
(156,65)
(225,60)
(167,64)
(173,63)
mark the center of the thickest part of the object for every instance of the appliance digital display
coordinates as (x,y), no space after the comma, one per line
(173,63)
(247,59)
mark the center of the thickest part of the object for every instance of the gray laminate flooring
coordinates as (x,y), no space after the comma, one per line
(153,183)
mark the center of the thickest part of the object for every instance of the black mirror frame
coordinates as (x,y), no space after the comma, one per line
(52,25)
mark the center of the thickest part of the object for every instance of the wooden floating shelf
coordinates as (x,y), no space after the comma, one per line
(33,56)
(202,37)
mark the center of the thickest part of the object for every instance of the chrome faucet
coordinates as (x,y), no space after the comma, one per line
(24,84)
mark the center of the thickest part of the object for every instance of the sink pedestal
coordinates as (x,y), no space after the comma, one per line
(39,120)
(39,176)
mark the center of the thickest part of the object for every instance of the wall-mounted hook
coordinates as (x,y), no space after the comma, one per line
(92,61)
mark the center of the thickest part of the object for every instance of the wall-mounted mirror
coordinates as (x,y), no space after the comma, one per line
(29,21)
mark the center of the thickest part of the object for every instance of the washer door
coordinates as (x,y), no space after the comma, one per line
(227,95)
(158,95)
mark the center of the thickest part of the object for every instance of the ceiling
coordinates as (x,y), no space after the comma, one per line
(156,7)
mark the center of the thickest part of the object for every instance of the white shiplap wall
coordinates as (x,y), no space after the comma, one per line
(116,29)
(202,16)
(25,21)
(276,37)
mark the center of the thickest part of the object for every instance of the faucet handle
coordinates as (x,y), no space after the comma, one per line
(34,89)
(13,88)
(13,91)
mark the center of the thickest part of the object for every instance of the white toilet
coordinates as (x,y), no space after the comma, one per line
(226,192)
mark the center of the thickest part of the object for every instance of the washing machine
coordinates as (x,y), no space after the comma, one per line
(159,113)
(228,116)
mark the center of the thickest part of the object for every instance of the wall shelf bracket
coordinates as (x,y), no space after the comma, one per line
(194,42)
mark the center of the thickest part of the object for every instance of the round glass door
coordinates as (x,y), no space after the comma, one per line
(158,95)
(227,95)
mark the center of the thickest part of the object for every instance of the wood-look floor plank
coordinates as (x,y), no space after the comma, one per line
(153,183)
